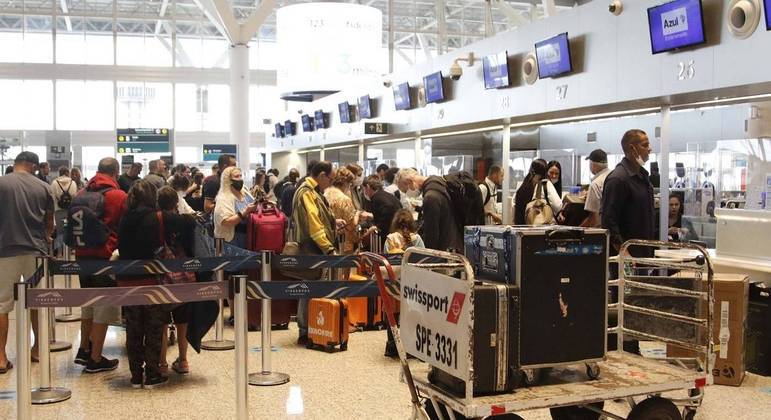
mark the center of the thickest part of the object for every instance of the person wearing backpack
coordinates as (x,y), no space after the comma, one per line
(489,191)
(536,191)
(92,230)
(64,190)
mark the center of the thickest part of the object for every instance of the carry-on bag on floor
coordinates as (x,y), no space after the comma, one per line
(365,312)
(562,276)
(328,324)
(496,342)
(266,229)
(280,314)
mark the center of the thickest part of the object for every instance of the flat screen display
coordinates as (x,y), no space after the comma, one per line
(434,87)
(279,130)
(365,110)
(402,97)
(767,4)
(307,123)
(345,112)
(318,119)
(289,128)
(676,24)
(143,140)
(553,56)
(496,70)
(212,152)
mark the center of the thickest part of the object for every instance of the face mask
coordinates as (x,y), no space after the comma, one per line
(413,193)
(238,184)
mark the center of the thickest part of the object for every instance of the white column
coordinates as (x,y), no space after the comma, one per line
(361,154)
(506,146)
(664,168)
(239,104)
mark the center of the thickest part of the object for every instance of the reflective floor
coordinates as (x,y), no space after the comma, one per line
(356,384)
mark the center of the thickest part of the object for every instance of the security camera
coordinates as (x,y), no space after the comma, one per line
(299,111)
(387,83)
(616,7)
(456,71)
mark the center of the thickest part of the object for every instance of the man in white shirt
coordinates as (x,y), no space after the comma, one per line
(59,186)
(598,165)
(489,190)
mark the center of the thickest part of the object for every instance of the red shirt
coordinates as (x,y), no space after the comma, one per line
(114,209)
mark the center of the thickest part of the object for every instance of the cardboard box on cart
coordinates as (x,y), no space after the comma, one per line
(729,320)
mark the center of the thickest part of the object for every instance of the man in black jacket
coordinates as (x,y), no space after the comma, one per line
(440,227)
(384,205)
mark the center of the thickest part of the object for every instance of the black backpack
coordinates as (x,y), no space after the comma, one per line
(85,225)
(286,197)
(466,199)
(488,196)
(65,200)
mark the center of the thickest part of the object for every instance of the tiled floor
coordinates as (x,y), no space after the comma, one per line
(356,384)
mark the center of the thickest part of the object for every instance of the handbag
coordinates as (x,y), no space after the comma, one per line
(538,210)
(166,252)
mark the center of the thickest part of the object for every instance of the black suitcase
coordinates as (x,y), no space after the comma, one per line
(496,342)
(757,353)
(562,276)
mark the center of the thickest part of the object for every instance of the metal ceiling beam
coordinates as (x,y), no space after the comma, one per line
(249,27)
(208,9)
(513,15)
(549,9)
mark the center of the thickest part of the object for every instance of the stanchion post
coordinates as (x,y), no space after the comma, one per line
(266,377)
(45,393)
(241,345)
(67,316)
(219,342)
(23,380)
(53,344)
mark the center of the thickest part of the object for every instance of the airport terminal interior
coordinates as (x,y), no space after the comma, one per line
(385,209)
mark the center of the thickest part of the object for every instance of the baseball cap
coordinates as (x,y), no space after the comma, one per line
(598,156)
(28,157)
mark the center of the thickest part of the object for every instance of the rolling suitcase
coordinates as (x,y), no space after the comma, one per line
(562,276)
(281,310)
(496,342)
(365,312)
(328,324)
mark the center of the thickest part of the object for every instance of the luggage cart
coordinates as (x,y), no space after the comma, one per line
(570,392)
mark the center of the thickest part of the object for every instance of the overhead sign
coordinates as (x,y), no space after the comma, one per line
(375,128)
(143,140)
(435,318)
(212,152)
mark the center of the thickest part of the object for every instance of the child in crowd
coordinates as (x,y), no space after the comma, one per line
(403,233)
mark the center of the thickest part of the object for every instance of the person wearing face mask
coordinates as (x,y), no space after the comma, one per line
(233,206)
(627,198)
(357,191)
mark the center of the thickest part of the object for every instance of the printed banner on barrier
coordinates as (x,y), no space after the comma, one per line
(127,296)
(311,289)
(435,319)
(142,267)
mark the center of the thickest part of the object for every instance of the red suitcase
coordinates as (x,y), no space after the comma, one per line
(266,230)
(281,311)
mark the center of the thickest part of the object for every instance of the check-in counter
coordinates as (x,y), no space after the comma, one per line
(743,243)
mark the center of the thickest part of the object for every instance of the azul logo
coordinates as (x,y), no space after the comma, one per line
(192,265)
(456,307)
(209,291)
(288,262)
(70,268)
(550,53)
(298,289)
(674,21)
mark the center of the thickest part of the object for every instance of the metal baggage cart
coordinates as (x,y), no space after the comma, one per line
(640,381)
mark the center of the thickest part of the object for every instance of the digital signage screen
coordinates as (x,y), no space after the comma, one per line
(553,56)
(365,109)
(307,123)
(676,24)
(767,4)
(496,70)
(402,97)
(212,152)
(289,128)
(143,140)
(345,112)
(279,131)
(319,120)
(434,88)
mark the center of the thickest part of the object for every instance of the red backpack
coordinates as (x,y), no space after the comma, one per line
(266,230)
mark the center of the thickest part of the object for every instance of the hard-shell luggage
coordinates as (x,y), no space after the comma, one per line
(365,312)
(496,342)
(266,230)
(328,324)
(758,350)
(281,310)
(562,276)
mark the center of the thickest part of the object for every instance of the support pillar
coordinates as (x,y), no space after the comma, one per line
(239,105)
(505,159)
(664,168)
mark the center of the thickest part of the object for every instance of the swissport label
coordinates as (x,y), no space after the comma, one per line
(435,319)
